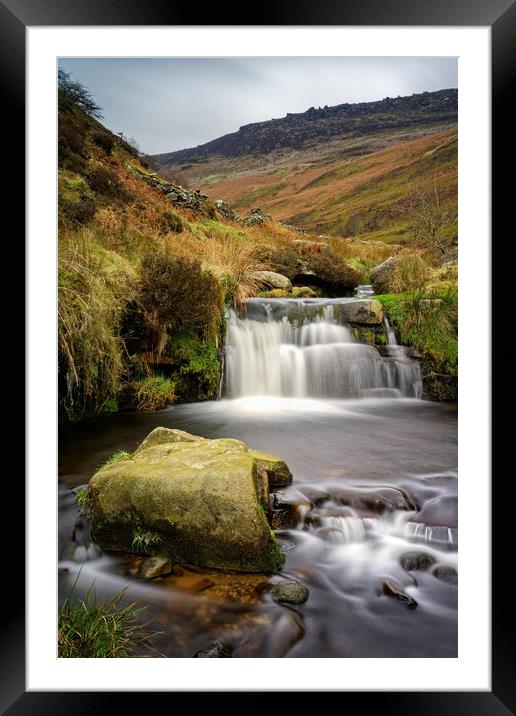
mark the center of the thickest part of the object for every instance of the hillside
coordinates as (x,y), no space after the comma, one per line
(345,171)
(147,267)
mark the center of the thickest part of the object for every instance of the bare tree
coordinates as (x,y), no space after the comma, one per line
(78,93)
(429,219)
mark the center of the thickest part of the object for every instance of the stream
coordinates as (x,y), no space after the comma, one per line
(373,500)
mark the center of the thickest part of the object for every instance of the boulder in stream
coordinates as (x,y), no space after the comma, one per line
(189,500)
(290,593)
(364,312)
(412,561)
(391,590)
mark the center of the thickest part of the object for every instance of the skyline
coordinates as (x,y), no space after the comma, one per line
(168,104)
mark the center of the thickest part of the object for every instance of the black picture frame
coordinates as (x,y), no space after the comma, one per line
(500,16)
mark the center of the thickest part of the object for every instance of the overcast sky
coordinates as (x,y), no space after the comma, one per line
(169,104)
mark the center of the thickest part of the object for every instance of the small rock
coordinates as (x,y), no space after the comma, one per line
(215,650)
(447,574)
(154,567)
(416,561)
(390,590)
(290,593)
(272,279)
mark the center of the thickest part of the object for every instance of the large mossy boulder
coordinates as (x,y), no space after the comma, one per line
(191,500)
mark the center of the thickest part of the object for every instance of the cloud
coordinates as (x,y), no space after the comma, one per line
(174,103)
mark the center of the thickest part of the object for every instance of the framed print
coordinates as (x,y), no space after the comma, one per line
(259,397)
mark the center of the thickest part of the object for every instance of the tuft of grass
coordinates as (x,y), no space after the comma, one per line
(90,304)
(428,320)
(117,456)
(145,542)
(83,501)
(153,392)
(91,630)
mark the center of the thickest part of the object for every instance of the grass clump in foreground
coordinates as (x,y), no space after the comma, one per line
(428,321)
(153,392)
(96,631)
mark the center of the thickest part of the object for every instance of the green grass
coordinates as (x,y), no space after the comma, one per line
(117,456)
(83,501)
(153,392)
(145,542)
(428,321)
(91,630)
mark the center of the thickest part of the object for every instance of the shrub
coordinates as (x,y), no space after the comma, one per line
(104,140)
(81,211)
(153,392)
(71,148)
(175,293)
(104,181)
(88,630)
(170,221)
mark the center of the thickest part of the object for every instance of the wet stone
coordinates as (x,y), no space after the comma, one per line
(215,650)
(154,567)
(290,593)
(390,590)
(416,561)
(447,574)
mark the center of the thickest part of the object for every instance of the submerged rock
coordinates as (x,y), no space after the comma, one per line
(439,511)
(376,500)
(154,567)
(290,593)
(412,561)
(391,590)
(446,573)
(215,650)
(189,500)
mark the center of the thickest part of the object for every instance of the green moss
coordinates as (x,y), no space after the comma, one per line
(197,365)
(371,336)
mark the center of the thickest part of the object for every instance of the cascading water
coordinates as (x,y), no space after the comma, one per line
(373,499)
(303,349)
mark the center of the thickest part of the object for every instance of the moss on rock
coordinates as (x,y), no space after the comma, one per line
(201,498)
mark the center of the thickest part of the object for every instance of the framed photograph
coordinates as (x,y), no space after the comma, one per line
(259,398)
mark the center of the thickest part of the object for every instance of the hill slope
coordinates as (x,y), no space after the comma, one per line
(345,170)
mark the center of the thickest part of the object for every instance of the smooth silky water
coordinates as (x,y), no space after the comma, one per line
(360,442)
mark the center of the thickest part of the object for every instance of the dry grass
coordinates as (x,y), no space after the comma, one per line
(91,296)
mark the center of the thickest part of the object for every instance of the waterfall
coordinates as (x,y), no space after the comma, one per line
(302,349)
